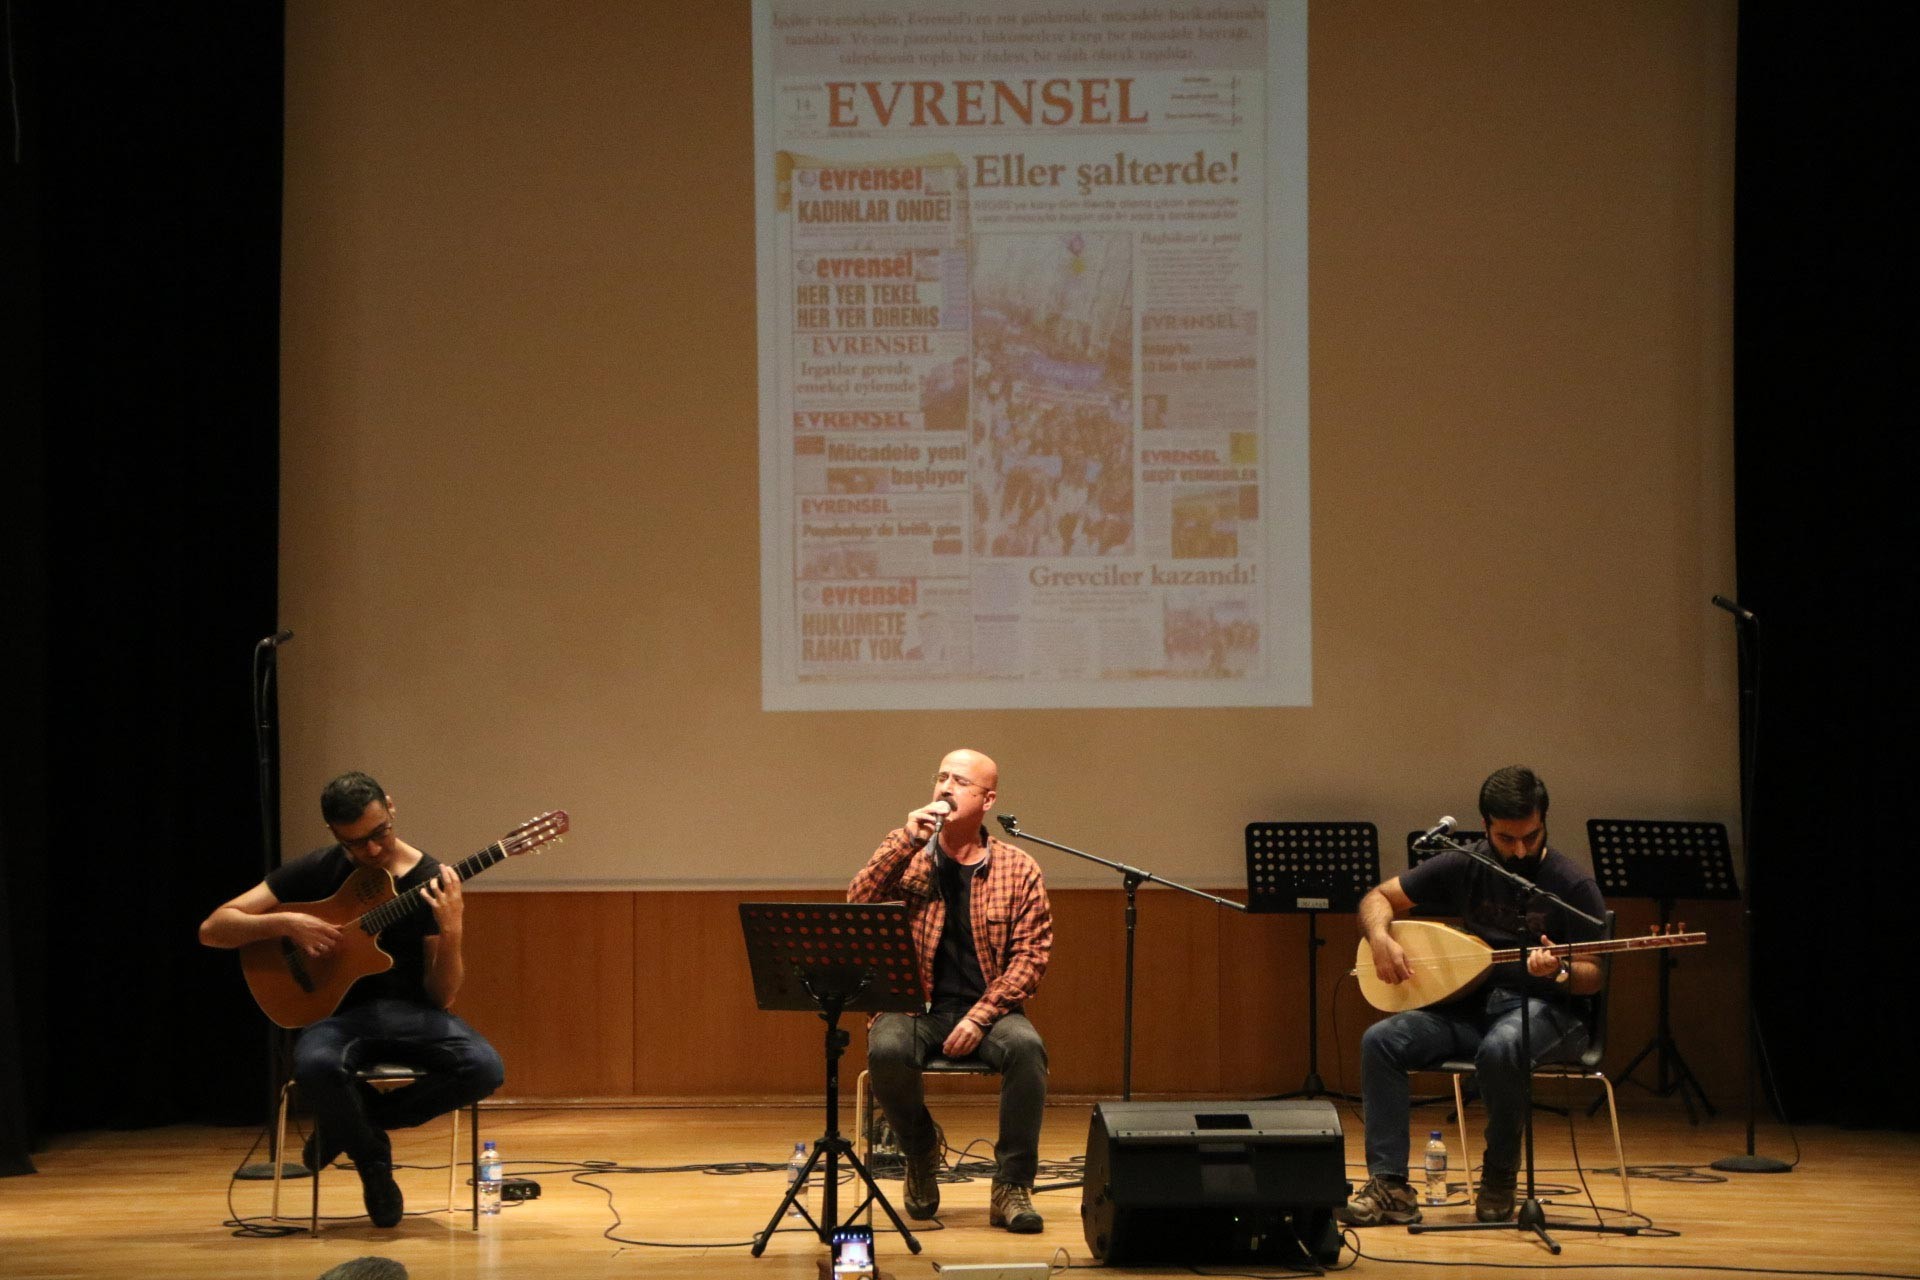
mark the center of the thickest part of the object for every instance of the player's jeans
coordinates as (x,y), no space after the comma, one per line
(354,1117)
(899,1044)
(1484,1028)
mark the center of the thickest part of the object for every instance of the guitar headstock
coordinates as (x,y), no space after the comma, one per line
(534,832)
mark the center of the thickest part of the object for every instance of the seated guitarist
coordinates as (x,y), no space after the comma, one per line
(398,1016)
(1484,1023)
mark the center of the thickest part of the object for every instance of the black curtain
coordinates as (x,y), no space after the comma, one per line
(141,224)
(1825,540)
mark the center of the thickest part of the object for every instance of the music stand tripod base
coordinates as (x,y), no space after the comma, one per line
(1751,1164)
(828,958)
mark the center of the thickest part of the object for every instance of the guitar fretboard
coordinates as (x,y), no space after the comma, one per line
(399,908)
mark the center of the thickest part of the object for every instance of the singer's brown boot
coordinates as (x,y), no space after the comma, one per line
(1012,1208)
(922,1181)
(1382,1202)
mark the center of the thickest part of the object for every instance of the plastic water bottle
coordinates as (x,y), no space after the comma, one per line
(796,1175)
(1436,1169)
(488,1178)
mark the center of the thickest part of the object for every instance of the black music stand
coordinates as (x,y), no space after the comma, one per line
(1311,867)
(831,957)
(1664,861)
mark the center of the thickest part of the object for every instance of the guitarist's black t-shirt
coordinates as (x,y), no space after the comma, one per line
(1495,910)
(315,876)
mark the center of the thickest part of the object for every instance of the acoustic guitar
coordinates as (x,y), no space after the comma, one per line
(1447,962)
(294,988)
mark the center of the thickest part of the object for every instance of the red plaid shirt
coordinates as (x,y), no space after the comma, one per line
(1012,921)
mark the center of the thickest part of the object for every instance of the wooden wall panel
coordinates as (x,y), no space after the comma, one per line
(549,981)
(612,995)
(696,1029)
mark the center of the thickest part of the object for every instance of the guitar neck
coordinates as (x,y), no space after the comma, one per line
(399,908)
(1571,949)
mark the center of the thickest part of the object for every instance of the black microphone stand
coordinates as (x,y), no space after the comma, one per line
(1532,1216)
(1747,628)
(1132,878)
(266,743)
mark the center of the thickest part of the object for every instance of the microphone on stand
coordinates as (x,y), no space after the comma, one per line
(1435,831)
(1009,824)
(275,640)
(1733,607)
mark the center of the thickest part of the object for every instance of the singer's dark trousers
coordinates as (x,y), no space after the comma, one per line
(354,1117)
(899,1045)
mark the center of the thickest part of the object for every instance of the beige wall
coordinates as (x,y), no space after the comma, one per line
(519,522)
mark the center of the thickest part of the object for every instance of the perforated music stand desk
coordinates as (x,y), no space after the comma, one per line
(829,957)
(1665,861)
(1311,867)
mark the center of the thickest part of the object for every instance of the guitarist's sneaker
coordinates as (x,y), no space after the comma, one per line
(1382,1202)
(381,1194)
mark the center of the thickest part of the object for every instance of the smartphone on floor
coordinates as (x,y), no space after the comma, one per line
(853,1254)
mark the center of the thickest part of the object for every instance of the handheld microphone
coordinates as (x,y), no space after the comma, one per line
(1733,607)
(939,821)
(1437,830)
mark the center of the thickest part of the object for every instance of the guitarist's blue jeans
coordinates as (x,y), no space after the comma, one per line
(353,1117)
(1483,1028)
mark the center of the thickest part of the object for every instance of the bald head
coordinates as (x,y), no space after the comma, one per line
(973,766)
(969,782)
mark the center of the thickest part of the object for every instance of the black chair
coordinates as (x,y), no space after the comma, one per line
(389,1075)
(1586,1067)
(863,1104)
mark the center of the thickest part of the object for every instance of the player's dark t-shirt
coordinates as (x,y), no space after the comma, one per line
(1496,911)
(315,876)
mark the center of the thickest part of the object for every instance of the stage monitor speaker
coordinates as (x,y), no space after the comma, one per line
(1188,1182)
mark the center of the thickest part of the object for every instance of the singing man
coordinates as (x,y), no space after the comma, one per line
(982,931)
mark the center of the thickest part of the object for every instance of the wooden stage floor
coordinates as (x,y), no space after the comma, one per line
(155,1203)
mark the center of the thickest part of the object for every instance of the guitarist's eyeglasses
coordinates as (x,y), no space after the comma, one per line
(380,832)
